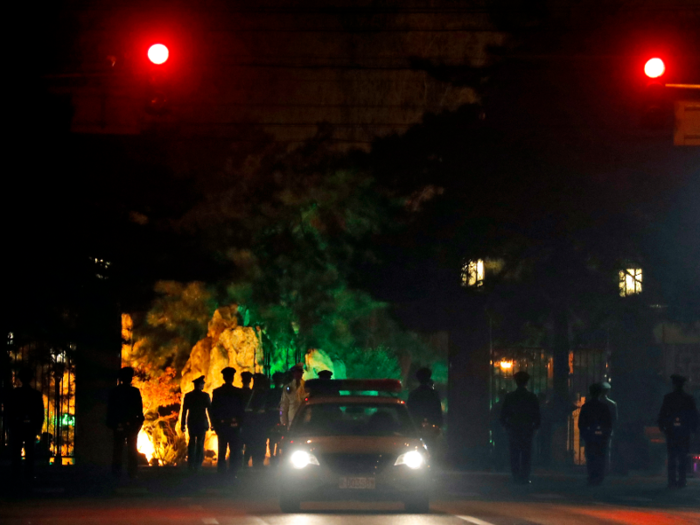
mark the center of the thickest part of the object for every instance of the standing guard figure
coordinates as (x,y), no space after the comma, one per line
(272,420)
(125,418)
(425,408)
(195,409)
(498,433)
(255,427)
(293,395)
(25,420)
(246,395)
(595,425)
(520,416)
(424,402)
(324,387)
(612,406)
(227,413)
(678,418)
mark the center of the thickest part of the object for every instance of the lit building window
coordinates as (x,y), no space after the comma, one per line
(473,273)
(630,281)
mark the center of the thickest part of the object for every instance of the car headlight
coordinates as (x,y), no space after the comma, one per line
(412,459)
(300,459)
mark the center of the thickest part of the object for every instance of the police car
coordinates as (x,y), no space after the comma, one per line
(354,439)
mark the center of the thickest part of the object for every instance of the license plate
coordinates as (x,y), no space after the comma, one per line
(356,483)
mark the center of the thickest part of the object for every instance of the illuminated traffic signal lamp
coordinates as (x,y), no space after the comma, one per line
(158,88)
(158,54)
(656,107)
(654,68)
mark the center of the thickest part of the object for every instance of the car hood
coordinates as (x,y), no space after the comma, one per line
(359,444)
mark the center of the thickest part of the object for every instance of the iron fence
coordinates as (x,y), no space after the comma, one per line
(54,376)
(586,366)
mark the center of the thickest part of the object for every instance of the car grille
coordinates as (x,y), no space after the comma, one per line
(357,463)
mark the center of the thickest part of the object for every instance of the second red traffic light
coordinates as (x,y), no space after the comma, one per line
(654,68)
(158,54)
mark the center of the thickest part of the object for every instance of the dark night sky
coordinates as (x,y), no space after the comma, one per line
(563,103)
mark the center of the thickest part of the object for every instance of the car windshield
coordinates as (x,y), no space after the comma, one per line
(353,419)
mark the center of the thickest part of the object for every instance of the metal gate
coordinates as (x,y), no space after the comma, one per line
(506,362)
(54,377)
(586,366)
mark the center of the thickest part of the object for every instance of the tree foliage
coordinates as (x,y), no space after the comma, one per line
(291,229)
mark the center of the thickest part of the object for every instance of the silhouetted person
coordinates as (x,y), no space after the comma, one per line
(424,402)
(544,435)
(246,393)
(125,418)
(195,409)
(227,413)
(595,426)
(25,418)
(274,396)
(293,395)
(678,418)
(612,406)
(255,428)
(520,416)
(325,386)
(498,433)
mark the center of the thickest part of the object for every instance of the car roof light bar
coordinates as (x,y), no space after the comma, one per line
(334,386)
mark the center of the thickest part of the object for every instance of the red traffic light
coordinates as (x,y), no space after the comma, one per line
(654,68)
(158,54)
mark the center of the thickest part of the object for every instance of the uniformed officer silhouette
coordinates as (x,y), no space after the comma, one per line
(612,406)
(544,434)
(272,421)
(255,427)
(125,418)
(227,413)
(520,416)
(195,415)
(595,426)
(424,402)
(499,435)
(246,393)
(325,387)
(25,419)
(678,418)
(246,379)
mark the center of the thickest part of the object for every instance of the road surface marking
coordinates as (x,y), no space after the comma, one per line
(475,521)
(210,521)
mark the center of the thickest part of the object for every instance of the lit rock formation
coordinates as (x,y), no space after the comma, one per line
(226,344)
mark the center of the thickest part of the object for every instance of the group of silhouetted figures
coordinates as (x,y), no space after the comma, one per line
(244,419)
(247,419)
(520,417)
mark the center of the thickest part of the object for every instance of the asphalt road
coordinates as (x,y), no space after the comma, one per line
(458,499)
